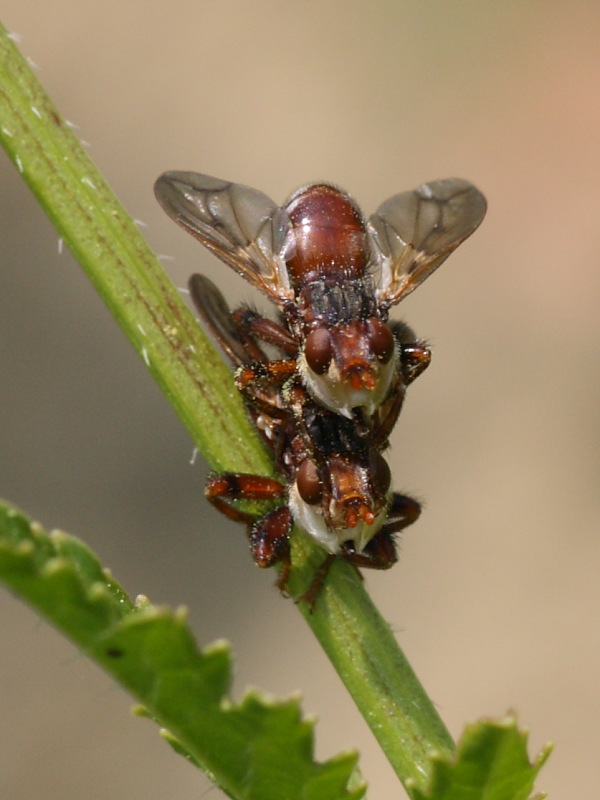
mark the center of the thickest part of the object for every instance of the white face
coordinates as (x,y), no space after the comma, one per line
(338,396)
(310,517)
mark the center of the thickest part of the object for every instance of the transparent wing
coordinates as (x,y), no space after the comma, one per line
(414,232)
(240,225)
(216,314)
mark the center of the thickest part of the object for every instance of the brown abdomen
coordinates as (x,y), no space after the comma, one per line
(330,235)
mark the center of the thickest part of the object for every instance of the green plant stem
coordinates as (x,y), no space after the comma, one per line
(128,277)
(126,273)
(366,655)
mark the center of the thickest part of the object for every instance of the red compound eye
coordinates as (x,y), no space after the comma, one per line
(381,340)
(308,483)
(318,350)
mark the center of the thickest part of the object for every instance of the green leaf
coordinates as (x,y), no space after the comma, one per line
(60,573)
(491,763)
(258,748)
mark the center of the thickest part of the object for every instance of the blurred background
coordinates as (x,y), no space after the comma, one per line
(496,600)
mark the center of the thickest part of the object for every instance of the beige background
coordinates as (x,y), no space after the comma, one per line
(496,599)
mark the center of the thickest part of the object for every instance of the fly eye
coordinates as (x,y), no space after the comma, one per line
(381,477)
(318,350)
(381,340)
(308,483)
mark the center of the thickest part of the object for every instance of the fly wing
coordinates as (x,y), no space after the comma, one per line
(240,225)
(414,232)
(216,314)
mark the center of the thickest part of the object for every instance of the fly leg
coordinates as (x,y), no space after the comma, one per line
(256,380)
(270,543)
(414,359)
(311,595)
(260,379)
(223,490)
(251,326)
(269,536)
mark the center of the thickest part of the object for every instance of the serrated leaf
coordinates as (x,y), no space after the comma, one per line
(258,748)
(491,763)
(60,576)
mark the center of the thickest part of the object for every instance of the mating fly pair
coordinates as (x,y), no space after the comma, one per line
(329,404)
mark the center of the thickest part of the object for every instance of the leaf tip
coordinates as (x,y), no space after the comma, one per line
(142,603)
(181,615)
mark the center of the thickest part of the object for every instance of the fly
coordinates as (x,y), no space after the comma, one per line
(333,275)
(335,483)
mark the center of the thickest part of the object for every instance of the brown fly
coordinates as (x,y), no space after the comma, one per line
(333,275)
(334,482)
